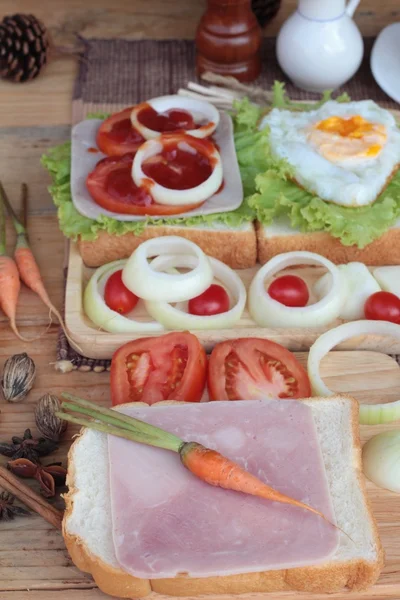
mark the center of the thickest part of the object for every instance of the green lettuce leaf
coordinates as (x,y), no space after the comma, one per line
(280,99)
(58,162)
(276,195)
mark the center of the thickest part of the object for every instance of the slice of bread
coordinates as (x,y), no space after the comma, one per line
(355,565)
(281,237)
(235,246)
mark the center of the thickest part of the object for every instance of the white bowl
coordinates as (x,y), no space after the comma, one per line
(385,61)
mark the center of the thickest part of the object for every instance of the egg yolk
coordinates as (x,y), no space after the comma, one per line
(338,138)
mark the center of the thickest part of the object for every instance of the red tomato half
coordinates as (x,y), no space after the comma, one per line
(383,306)
(289,290)
(111,186)
(116,135)
(117,296)
(213,301)
(255,369)
(169,367)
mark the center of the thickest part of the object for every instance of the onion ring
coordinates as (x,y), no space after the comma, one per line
(101,315)
(170,196)
(141,279)
(164,103)
(267,312)
(369,414)
(174,318)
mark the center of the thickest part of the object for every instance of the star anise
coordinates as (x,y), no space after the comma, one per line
(48,476)
(8,510)
(27,447)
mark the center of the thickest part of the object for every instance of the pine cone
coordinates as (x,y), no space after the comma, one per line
(24,46)
(265,10)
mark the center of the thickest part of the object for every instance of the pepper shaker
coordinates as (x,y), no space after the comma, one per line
(228,40)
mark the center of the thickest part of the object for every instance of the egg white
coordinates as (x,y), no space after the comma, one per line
(349,182)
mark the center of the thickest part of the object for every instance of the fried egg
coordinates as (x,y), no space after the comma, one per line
(343,152)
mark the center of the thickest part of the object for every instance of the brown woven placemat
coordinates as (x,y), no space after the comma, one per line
(116,73)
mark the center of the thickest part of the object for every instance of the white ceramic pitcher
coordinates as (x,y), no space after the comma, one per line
(319,47)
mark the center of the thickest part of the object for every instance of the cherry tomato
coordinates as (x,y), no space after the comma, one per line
(168,367)
(289,290)
(213,301)
(255,369)
(383,306)
(117,137)
(117,296)
(111,186)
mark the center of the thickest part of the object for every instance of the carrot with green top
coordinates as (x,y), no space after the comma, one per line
(26,262)
(10,284)
(208,465)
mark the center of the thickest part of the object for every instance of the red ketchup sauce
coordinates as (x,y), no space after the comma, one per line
(174,119)
(179,169)
(120,185)
(122,132)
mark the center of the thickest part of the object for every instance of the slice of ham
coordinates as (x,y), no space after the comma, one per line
(167,522)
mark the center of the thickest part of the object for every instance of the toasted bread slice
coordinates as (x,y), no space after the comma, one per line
(355,565)
(235,246)
(280,237)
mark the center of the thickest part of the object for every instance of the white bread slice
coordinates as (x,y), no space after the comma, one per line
(235,246)
(355,565)
(281,237)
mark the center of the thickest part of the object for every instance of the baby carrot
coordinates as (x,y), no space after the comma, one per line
(9,279)
(26,263)
(215,469)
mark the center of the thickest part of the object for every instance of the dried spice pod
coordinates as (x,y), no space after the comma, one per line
(46,421)
(18,377)
(8,510)
(27,447)
(49,476)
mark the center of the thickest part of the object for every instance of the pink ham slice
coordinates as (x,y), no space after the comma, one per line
(166,521)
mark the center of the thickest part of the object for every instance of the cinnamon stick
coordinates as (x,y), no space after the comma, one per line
(10,483)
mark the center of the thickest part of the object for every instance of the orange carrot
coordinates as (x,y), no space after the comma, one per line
(26,263)
(9,279)
(215,469)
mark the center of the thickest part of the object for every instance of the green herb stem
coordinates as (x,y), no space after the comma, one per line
(109,429)
(22,240)
(140,432)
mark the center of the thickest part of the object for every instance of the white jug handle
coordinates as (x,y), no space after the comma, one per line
(351,7)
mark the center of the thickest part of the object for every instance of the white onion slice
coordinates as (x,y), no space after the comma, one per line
(201,111)
(388,278)
(104,317)
(147,283)
(170,196)
(369,414)
(267,312)
(381,460)
(360,285)
(174,318)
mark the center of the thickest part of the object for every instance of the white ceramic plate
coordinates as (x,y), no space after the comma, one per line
(385,61)
(83,161)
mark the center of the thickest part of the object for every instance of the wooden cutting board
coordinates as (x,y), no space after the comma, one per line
(96,343)
(33,556)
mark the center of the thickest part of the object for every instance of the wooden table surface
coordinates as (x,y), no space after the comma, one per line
(33,117)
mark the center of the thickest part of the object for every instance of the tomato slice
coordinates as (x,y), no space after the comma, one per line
(168,367)
(255,369)
(116,136)
(111,186)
